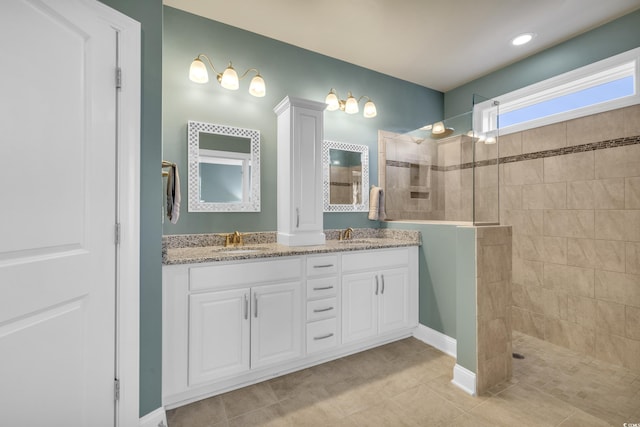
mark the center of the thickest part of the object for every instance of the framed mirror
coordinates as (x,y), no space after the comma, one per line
(224,168)
(346,177)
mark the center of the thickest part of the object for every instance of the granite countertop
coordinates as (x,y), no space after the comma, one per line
(198,248)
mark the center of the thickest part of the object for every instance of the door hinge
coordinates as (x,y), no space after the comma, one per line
(116,389)
(117,234)
(118,78)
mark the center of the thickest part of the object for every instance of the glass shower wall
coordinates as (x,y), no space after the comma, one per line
(486,171)
(444,171)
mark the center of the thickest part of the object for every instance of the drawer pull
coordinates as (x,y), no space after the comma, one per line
(324,288)
(320,310)
(323,337)
(323,266)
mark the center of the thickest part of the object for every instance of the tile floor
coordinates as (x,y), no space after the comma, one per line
(408,383)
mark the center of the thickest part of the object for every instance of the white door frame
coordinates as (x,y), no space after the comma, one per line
(128,214)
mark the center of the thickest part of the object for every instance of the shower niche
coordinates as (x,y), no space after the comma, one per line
(444,171)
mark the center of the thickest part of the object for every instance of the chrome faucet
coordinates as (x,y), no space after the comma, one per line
(346,234)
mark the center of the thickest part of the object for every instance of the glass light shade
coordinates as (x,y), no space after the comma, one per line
(490,140)
(332,101)
(229,79)
(257,87)
(370,110)
(198,71)
(438,128)
(351,107)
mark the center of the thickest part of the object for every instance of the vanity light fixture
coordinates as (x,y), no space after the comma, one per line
(350,105)
(228,79)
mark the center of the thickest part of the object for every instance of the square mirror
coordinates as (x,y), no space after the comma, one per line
(224,168)
(346,177)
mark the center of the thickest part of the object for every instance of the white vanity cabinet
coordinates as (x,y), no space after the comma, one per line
(223,321)
(376,293)
(323,310)
(235,323)
(233,331)
(219,335)
(276,326)
(299,186)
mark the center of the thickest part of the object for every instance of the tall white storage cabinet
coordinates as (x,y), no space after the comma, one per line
(300,133)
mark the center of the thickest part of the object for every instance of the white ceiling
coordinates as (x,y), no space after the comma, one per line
(440,44)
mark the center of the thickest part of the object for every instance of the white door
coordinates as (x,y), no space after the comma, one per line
(276,323)
(57,249)
(218,335)
(394,299)
(359,306)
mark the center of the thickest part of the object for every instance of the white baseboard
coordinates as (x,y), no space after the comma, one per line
(157,418)
(464,379)
(436,339)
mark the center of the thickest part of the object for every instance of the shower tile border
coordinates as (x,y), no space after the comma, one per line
(593,146)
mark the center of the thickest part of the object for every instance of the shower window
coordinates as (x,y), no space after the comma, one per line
(605,85)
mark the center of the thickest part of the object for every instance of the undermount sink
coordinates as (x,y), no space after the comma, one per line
(239,250)
(357,241)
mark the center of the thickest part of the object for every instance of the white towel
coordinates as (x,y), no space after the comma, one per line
(173,194)
(376,204)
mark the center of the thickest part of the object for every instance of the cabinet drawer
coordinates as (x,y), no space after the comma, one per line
(318,265)
(322,335)
(322,288)
(322,309)
(375,260)
(244,273)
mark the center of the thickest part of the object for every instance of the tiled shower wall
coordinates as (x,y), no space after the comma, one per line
(434,179)
(571,192)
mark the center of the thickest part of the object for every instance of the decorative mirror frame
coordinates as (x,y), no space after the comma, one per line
(195,205)
(327,146)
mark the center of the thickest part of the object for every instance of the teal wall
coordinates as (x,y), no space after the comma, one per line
(466,351)
(437,270)
(287,70)
(149,14)
(607,40)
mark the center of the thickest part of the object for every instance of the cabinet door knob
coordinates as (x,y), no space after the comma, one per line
(382,276)
(376,284)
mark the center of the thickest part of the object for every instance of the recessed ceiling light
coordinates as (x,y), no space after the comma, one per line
(522,39)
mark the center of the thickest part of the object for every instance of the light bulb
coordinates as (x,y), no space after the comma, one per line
(257,87)
(332,101)
(229,79)
(351,107)
(490,140)
(370,110)
(198,71)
